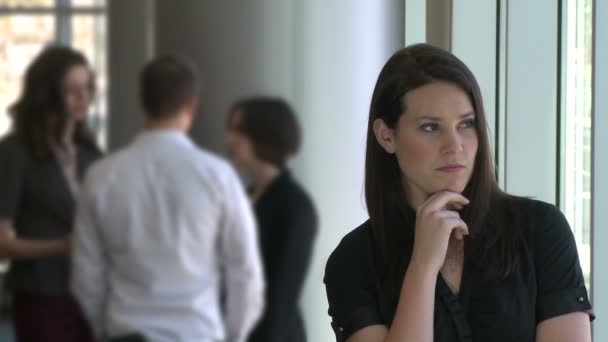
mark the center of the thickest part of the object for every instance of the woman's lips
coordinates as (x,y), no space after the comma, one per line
(451,168)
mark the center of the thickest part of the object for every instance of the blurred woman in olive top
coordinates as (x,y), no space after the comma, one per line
(263,133)
(41,163)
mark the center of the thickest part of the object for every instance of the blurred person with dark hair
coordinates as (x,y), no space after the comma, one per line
(165,246)
(263,133)
(41,165)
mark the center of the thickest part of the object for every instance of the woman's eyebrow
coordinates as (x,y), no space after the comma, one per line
(437,118)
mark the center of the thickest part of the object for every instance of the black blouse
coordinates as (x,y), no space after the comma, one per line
(35,195)
(548,283)
(287,223)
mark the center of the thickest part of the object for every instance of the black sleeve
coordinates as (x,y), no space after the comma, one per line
(561,286)
(353,304)
(12,173)
(299,224)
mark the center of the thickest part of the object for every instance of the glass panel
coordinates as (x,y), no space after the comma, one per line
(89,3)
(89,33)
(21,38)
(576,117)
(27,3)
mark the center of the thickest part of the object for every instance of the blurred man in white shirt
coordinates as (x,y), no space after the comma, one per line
(165,243)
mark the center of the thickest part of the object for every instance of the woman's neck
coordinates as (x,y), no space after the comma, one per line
(415,196)
(67,140)
(263,174)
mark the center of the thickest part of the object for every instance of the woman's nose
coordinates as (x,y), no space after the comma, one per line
(452,142)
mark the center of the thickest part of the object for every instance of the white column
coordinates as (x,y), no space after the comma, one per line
(340,51)
(599,209)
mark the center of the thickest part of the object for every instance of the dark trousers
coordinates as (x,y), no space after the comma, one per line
(128,338)
(43,318)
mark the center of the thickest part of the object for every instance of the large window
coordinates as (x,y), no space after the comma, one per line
(575,138)
(26,26)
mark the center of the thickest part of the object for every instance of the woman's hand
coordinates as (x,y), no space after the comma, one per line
(435,223)
(7,235)
(14,247)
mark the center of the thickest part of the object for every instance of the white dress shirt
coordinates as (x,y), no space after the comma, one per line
(165,245)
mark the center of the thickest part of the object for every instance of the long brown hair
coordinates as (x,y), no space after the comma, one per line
(40,115)
(392,219)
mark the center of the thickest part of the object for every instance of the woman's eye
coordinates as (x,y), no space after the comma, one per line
(429,127)
(468,123)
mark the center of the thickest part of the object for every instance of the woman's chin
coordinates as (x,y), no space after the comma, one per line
(457,188)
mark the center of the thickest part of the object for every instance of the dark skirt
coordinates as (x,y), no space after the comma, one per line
(39,318)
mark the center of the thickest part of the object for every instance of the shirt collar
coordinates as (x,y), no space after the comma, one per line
(168,135)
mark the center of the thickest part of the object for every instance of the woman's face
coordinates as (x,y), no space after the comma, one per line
(240,148)
(77,92)
(434,141)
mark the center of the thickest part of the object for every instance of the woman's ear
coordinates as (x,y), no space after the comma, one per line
(384,135)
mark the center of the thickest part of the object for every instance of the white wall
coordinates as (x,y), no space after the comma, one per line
(322,56)
(130,44)
(242,48)
(340,52)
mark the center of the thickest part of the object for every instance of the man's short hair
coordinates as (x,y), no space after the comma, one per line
(167,83)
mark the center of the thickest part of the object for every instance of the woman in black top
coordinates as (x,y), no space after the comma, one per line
(41,163)
(446,255)
(263,134)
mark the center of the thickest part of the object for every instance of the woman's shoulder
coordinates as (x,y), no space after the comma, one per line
(13,146)
(539,221)
(291,195)
(356,240)
(532,211)
(11,140)
(285,182)
(355,250)
(530,205)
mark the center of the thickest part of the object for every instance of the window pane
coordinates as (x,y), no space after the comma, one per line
(576,115)
(89,3)
(27,3)
(21,38)
(89,36)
